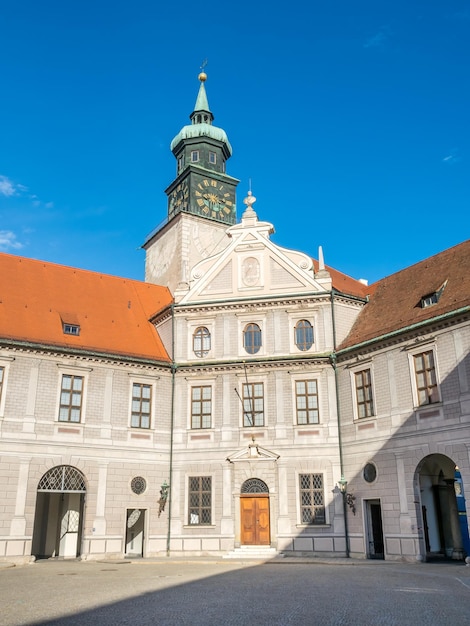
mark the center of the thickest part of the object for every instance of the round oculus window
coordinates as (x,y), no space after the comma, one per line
(370,472)
(138,485)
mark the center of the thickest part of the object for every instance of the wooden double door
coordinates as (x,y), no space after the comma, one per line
(254,513)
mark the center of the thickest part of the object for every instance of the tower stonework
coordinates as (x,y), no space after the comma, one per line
(201,200)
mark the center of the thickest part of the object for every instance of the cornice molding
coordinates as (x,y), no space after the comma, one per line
(83,357)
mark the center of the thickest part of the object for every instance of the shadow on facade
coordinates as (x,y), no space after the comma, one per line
(405,498)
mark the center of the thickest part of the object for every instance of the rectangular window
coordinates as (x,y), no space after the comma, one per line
(253,404)
(212,158)
(364,400)
(201,407)
(312,501)
(71,329)
(141,405)
(306,399)
(180,163)
(200,500)
(426,381)
(194,156)
(71,394)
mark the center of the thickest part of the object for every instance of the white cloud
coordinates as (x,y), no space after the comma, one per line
(452,157)
(378,39)
(8,241)
(7,188)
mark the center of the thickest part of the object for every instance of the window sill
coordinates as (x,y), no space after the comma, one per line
(313,526)
(427,411)
(199,526)
(427,407)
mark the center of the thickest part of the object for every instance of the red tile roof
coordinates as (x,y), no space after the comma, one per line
(344,283)
(36,298)
(395,301)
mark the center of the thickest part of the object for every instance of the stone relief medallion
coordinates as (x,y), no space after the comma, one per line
(250,271)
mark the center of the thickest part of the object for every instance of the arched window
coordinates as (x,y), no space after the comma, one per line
(254,485)
(303,335)
(63,479)
(252,338)
(201,341)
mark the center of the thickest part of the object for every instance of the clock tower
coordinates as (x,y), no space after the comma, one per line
(201,150)
(201,200)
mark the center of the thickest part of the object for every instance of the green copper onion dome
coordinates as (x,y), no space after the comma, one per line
(201,122)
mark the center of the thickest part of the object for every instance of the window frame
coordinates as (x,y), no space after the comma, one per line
(212,161)
(140,414)
(195,156)
(4,367)
(203,352)
(71,329)
(310,315)
(201,385)
(308,344)
(297,395)
(322,507)
(252,333)
(70,405)
(367,403)
(250,403)
(424,350)
(201,505)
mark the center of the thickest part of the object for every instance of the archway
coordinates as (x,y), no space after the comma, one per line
(58,519)
(254,513)
(435,480)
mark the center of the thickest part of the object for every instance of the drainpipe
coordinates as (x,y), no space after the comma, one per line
(340,442)
(172,420)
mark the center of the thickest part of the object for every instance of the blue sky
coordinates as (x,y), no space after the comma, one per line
(350,118)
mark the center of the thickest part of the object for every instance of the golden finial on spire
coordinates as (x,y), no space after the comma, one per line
(202,75)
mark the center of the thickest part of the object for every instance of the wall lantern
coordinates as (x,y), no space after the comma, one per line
(163,497)
(349,498)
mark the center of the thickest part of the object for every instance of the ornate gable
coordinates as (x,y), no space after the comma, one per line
(253,452)
(252,266)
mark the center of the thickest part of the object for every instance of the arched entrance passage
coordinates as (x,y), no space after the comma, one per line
(442,537)
(254,513)
(58,519)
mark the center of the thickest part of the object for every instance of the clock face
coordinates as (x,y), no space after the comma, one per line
(214,199)
(178,200)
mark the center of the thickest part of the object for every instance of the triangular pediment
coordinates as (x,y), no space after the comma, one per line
(252,452)
(251,266)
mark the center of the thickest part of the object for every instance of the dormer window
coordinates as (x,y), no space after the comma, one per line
(71,329)
(429,300)
(432,298)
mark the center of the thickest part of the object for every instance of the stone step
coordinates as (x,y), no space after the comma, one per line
(254,552)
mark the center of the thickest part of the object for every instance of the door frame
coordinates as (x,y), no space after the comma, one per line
(255,496)
(374,535)
(59,513)
(141,524)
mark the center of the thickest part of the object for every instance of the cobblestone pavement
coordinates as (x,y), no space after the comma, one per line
(221,592)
